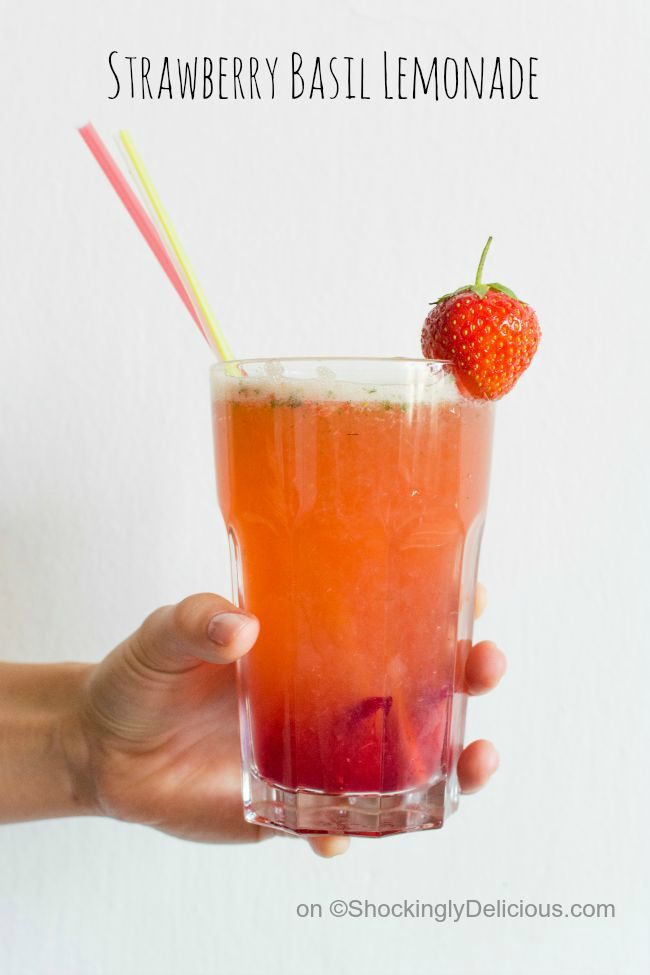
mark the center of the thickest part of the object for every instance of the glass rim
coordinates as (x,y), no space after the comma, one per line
(261,360)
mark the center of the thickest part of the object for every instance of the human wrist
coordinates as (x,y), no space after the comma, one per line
(71,730)
(44,758)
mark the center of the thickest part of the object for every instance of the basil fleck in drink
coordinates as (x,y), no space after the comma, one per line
(354,493)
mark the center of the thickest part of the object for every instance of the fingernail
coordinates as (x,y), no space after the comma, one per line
(331,846)
(338,846)
(224,627)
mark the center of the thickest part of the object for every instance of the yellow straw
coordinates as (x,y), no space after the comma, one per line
(220,340)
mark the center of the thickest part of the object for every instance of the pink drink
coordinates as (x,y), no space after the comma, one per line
(355,507)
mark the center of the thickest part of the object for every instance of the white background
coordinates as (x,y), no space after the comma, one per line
(327,228)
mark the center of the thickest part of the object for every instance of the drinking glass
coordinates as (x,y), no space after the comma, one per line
(354,494)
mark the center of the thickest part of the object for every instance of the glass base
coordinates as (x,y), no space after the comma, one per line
(303,812)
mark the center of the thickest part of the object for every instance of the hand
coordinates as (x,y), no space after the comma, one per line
(159,735)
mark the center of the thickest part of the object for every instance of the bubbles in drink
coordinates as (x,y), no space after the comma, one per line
(273,370)
(327,375)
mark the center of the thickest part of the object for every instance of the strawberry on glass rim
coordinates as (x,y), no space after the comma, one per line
(487,333)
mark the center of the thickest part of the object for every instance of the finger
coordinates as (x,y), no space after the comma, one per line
(202,627)
(477,763)
(480,600)
(329,846)
(485,667)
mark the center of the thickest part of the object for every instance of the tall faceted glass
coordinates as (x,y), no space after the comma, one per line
(354,494)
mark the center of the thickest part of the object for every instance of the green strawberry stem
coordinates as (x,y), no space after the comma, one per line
(479,270)
(478,288)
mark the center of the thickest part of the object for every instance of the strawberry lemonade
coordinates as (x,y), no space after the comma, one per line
(354,494)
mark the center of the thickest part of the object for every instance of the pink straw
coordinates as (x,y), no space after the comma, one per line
(140,216)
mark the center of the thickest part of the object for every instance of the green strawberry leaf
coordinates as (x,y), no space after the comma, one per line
(480,290)
(451,294)
(495,286)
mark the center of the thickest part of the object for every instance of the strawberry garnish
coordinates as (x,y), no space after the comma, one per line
(488,334)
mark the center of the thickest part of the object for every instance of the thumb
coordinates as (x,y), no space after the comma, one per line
(202,627)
